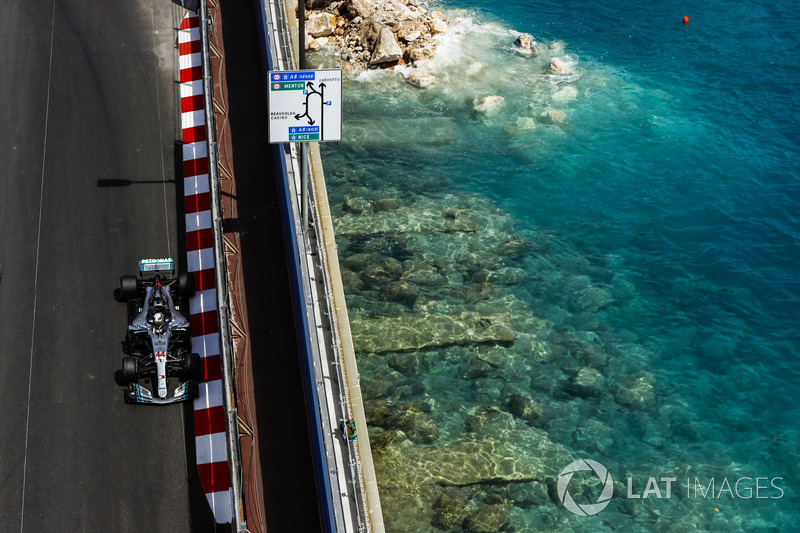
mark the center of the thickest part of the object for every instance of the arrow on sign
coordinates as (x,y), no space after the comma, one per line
(310,90)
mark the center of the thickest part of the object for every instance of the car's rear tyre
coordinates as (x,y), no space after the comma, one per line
(129,370)
(185,284)
(193,367)
(128,288)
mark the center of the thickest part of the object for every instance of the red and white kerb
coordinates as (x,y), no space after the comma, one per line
(209,413)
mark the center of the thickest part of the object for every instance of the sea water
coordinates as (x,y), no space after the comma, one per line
(634,219)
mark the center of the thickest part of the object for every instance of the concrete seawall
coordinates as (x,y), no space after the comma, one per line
(338,386)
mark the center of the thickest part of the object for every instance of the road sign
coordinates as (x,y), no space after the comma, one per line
(305,105)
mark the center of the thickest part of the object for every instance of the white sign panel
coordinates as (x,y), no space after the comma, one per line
(305,105)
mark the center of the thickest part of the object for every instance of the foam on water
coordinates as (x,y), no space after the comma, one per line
(630,226)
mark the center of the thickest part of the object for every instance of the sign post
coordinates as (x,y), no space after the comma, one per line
(305,106)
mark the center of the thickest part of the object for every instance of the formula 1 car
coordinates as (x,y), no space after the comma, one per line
(159,366)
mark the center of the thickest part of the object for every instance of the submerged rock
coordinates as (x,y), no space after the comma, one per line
(477,292)
(399,291)
(460,219)
(413,422)
(450,509)
(507,276)
(591,299)
(636,391)
(350,281)
(407,220)
(374,388)
(360,261)
(386,204)
(489,105)
(410,363)
(494,356)
(594,435)
(555,116)
(529,493)
(587,383)
(490,421)
(523,406)
(622,289)
(565,94)
(414,332)
(520,125)
(357,205)
(478,369)
(387,269)
(488,519)
(423,273)
(520,456)
(512,246)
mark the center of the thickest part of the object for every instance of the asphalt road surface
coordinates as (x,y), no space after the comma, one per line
(89,119)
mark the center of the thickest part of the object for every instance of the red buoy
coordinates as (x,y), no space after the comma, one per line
(685,20)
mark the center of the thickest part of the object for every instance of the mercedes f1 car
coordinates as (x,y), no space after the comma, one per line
(159,366)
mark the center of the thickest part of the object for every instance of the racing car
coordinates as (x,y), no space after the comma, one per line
(159,366)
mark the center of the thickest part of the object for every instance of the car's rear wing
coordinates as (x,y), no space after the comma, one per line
(156,265)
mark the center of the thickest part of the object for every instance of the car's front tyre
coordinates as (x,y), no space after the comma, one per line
(130,373)
(194,369)
(128,288)
(186,284)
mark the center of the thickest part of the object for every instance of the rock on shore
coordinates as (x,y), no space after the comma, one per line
(374,33)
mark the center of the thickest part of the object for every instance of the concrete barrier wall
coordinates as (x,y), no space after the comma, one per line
(342,325)
(279,41)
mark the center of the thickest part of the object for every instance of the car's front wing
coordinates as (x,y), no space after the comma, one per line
(135,393)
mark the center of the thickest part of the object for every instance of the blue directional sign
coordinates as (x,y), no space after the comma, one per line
(305,105)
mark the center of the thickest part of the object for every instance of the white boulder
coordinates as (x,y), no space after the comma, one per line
(526,43)
(320,24)
(421,78)
(558,66)
(565,94)
(360,8)
(438,26)
(474,69)
(489,105)
(387,49)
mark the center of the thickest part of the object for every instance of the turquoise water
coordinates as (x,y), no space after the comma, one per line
(635,218)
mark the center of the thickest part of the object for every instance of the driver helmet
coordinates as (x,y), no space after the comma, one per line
(159,317)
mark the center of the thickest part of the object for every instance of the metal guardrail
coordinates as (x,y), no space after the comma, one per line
(220,270)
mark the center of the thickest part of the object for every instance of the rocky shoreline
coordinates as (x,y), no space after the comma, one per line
(370,34)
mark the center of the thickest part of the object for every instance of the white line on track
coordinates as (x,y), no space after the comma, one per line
(178,191)
(36,270)
(160,133)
